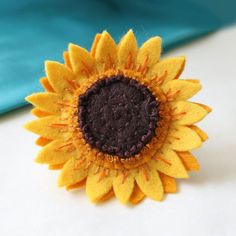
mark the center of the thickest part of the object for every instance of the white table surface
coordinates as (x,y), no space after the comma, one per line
(32,204)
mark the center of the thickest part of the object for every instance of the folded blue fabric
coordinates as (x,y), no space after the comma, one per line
(32,31)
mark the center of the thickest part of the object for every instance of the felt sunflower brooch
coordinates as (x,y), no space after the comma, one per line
(117,120)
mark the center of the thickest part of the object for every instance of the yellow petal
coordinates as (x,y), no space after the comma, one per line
(150,184)
(47,102)
(182,138)
(41,141)
(207,108)
(127,50)
(170,164)
(123,188)
(97,187)
(188,113)
(169,183)
(56,167)
(150,51)
(95,44)
(59,76)
(39,113)
(106,197)
(137,195)
(72,173)
(196,81)
(106,52)
(67,61)
(81,61)
(170,69)
(46,127)
(181,89)
(189,161)
(76,185)
(46,85)
(200,132)
(56,153)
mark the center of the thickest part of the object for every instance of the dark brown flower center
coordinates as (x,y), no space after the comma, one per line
(118,116)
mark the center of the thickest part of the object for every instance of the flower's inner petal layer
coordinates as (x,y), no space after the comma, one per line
(118,116)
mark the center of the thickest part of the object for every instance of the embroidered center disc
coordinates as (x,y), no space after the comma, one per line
(118,116)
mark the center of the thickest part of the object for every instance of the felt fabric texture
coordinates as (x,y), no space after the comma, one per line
(151,184)
(78,56)
(97,188)
(169,183)
(106,52)
(170,164)
(152,173)
(46,85)
(137,195)
(39,113)
(58,76)
(151,49)
(43,127)
(35,30)
(41,141)
(50,154)
(123,188)
(127,47)
(200,132)
(182,88)
(172,67)
(189,112)
(183,138)
(46,102)
(72,173)
(189,161)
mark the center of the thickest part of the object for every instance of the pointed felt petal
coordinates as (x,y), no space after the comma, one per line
(56,167)
(169,183)
(182,138)
(127,50)
(150,52)
(97,187)
(106,52)
(189,161)
(200,132)
(106,197)
(46,127)
(123,188)
(181,89)
(187,113)
(39,113)
(72,173)
(76,185)
(81,60)
(169,69)
(151,186)
(95,44)
(47,102)
(56,153)
(41,141)
(207,108)
(46,85)
(67,61)
(59,76)
(137,195)
(196,81)
(168,162)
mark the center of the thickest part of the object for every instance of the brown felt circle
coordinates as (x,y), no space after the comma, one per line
(118,116)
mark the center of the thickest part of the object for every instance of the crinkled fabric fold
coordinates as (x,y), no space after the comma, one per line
(35,30)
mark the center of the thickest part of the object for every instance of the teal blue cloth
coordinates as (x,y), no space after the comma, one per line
(32,31)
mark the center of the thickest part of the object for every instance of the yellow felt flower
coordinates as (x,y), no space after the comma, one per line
(117,120)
